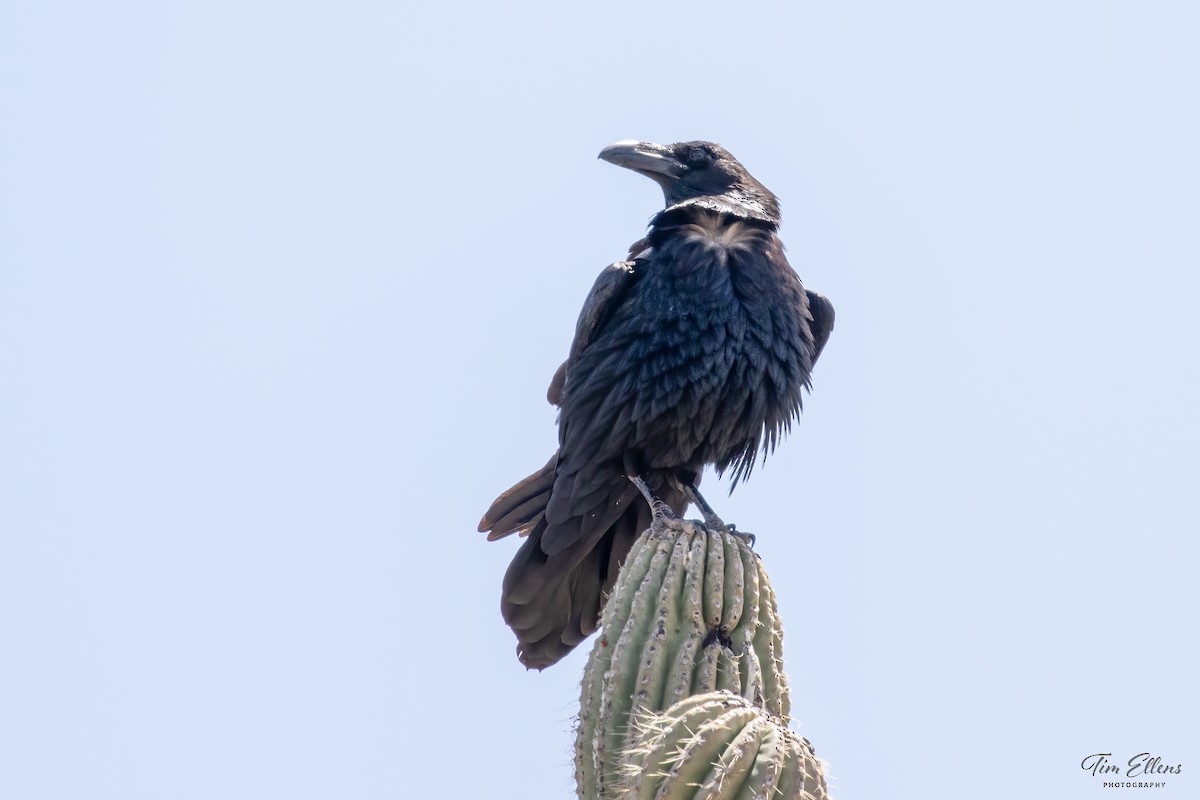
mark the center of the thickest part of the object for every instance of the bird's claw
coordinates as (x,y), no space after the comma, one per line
(749,537)
(663,513)
(711,520)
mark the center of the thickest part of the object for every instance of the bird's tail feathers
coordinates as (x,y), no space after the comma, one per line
(521,507)
(552,603)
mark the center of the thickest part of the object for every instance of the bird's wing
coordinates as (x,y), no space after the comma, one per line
(606,294)
(822,320)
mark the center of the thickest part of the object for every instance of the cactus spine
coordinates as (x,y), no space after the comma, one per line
(692,612)
(719,745)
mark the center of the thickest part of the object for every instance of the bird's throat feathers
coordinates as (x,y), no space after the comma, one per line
(707,226)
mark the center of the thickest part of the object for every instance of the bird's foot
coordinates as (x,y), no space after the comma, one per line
(711,520)
(658,508)
(749,537)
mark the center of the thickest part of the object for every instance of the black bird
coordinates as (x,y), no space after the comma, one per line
(692,352)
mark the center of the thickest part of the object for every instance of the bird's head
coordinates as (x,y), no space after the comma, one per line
(700,174)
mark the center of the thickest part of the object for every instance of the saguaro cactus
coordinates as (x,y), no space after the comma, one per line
(719,746)
(691,612)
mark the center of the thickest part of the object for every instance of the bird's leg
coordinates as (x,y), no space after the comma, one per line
(710,517)
(658,508)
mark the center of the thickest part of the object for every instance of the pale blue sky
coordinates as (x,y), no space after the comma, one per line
(282,286)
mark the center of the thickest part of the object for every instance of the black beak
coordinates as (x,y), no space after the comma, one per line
(652,160)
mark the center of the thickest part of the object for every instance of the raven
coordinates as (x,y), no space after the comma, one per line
(691,352)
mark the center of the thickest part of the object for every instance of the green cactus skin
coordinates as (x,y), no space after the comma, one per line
(719,746)
(692,611)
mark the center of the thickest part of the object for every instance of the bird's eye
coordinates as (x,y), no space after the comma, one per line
(697,157)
